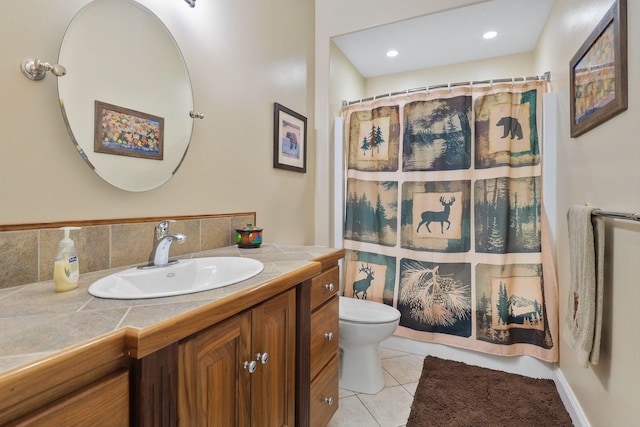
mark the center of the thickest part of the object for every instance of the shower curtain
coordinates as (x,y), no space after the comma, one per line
(444,217)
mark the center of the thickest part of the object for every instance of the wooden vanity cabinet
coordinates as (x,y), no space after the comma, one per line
(241,372)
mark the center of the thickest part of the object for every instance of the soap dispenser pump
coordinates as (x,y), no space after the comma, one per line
(66,270)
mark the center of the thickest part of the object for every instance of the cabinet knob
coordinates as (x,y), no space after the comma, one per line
(329,336)
(328,400)
(262,357)
(250,366)
(329,287)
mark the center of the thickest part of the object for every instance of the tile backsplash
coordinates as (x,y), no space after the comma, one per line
(26,256)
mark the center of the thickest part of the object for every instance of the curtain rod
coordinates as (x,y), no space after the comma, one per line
(620,215)
(544,77)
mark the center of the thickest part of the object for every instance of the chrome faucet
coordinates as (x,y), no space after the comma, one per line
(161,243)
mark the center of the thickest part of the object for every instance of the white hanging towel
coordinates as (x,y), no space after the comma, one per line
(583,322)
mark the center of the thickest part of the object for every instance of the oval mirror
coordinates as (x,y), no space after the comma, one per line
(127,95)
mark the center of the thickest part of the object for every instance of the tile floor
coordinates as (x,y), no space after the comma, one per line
(392,405)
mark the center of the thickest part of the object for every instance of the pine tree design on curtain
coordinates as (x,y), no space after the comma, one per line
(371,211)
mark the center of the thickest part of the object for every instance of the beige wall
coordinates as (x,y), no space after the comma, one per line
(503,67)
(599,167)
(242,56)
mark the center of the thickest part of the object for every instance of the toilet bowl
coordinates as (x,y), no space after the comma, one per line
(363,326)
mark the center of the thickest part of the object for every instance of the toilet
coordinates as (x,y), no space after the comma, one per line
(363,326)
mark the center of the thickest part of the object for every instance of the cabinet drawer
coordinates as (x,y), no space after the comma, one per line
(104,403)
(324,334)
(324,286)
(324,394)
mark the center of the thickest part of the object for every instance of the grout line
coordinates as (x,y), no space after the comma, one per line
(84,305)
(124,316)
(367,408)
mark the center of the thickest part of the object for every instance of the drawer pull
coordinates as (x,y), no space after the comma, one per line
(328,400)
(263,357)
(250,366)
(329,336)
(329,287)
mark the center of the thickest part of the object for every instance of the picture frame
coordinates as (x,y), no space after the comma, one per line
(598,73)
(289,139)
(125,132)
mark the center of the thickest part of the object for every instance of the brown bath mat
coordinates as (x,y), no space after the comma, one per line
(456,394)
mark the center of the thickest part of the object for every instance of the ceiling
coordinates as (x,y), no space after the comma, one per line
(448,37)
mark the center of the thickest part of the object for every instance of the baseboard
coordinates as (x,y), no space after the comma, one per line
(570,401)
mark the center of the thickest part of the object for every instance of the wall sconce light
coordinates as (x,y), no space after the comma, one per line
(35,69)
(191,3)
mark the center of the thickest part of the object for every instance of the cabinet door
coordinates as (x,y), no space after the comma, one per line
(213,387)
(273,333)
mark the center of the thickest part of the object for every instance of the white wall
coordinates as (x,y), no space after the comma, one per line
(242,55)
(600,167)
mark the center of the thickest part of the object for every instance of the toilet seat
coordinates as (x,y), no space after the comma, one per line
(363,311)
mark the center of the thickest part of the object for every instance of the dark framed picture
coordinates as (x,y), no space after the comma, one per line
(598,73)
(125,132)
(289,140)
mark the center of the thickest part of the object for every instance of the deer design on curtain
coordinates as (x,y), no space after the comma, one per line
(466,159)
(439,216)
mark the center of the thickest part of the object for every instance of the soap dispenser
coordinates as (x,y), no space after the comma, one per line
(66,270)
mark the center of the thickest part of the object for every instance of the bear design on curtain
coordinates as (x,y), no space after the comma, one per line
(444,217)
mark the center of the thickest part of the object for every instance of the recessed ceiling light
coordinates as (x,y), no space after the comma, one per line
(391,53)
(489,35)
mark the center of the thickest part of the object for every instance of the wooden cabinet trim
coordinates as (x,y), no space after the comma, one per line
(328,260)
(28,388)
(154,385)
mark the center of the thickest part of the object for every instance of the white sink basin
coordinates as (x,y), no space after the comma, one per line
(186,277)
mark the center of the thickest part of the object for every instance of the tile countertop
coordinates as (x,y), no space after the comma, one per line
(36,321)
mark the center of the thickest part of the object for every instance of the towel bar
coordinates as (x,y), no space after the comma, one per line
(620,215)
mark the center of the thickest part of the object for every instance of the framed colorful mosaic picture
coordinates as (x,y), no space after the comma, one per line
(598,73)
(125,132)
